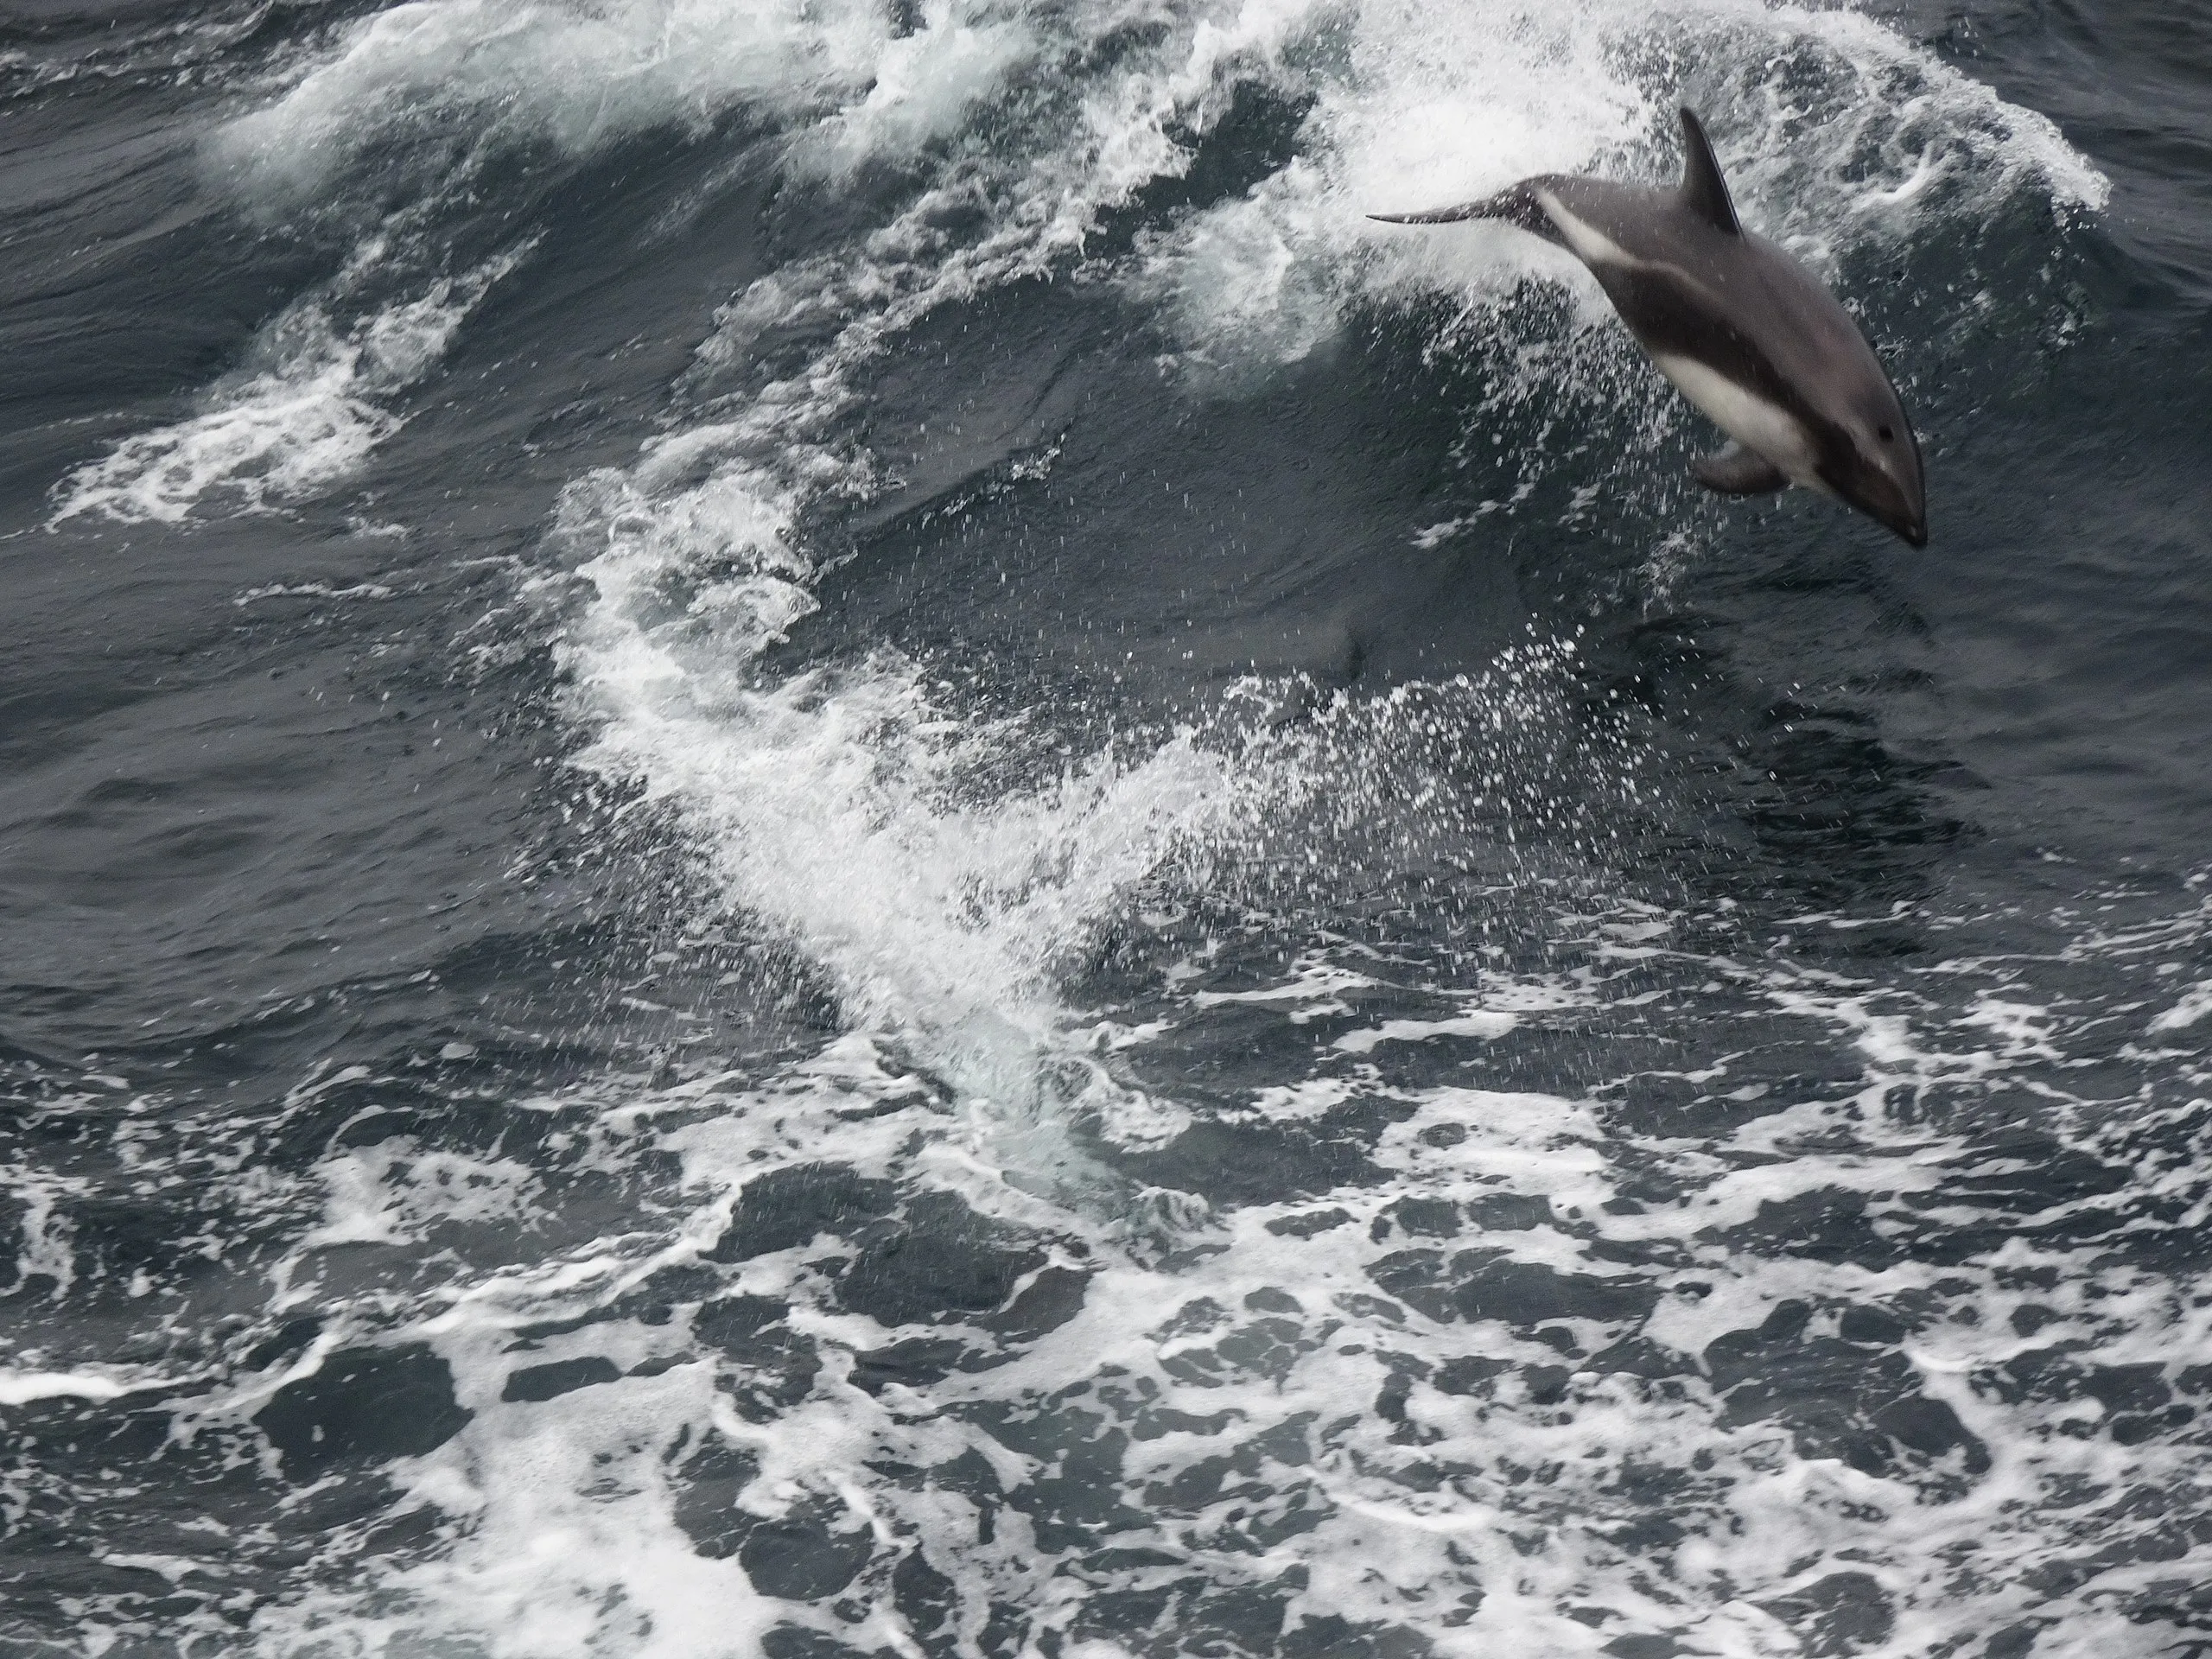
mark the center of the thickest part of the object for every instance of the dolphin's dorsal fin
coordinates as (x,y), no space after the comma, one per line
(1705,192)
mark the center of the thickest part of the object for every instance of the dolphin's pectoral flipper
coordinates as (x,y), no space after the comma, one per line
(1738,470)
(1517,207)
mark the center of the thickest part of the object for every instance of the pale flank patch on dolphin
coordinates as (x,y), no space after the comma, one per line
(1767,427)
(1585,240)
(1743,330)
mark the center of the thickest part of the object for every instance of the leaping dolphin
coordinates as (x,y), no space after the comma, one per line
(1744,330)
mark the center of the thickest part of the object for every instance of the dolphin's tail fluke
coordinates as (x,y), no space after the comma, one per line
(1517,207)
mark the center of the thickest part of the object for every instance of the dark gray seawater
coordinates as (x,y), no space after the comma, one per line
(822,836)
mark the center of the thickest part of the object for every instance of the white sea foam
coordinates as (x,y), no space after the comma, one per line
(21,1387)
(693,558)
(1316,987)
(1224,1378)
(1299,1411)
(1477,1022)
(393,1193)
(311,590)
(1841,130)
(1443,105)
(48,1247)
(509,72)
(314,401)
(2195,1004)
(833,806)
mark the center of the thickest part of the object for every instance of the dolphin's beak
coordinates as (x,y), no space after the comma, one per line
(1897,505)
(1913,525)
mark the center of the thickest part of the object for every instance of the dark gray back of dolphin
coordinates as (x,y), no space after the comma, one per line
(1742,328)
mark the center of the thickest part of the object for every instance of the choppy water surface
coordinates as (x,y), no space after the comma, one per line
(823,836)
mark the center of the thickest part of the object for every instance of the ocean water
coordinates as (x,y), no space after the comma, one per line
(823,836)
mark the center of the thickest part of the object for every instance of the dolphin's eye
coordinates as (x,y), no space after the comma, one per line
(1884,434)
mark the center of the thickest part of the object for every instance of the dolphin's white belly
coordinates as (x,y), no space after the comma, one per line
(1764,427)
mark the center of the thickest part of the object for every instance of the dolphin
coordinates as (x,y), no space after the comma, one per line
(1742,329)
